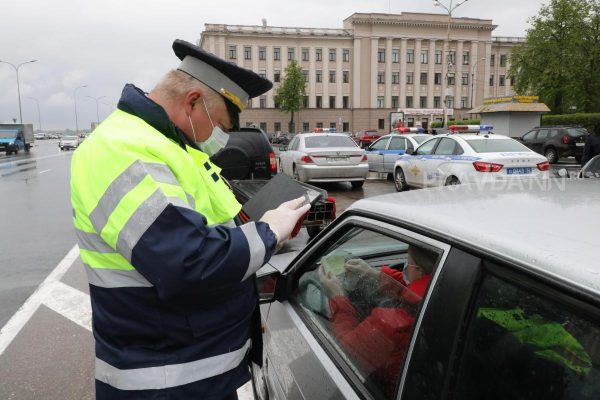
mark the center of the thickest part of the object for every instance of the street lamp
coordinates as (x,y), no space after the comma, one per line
(18,85)
(38,108)
(75,100)
(449,10)
(96,99)
(473,78)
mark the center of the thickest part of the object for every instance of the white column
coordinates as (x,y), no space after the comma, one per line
(256,100)
(388,73)
(431,74)
(458,88)
(312,99)
(356,70)
(339,91)
(325,77)
(417,74)
(240,55)
(402,94)
(476,62)
(211,44)
(221,47)
(270,71)
(373,72)
(488,70)
(445,70)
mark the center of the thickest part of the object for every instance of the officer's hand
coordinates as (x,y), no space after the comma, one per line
(283,219)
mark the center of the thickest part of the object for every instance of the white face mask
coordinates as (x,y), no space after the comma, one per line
(217,139)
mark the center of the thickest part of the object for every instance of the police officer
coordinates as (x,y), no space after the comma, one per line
(171,274)
(592,145)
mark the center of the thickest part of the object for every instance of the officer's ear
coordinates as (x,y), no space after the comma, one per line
(191,99)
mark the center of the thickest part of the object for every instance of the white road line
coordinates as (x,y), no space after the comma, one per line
(20,318)
(46,170)
(70,303)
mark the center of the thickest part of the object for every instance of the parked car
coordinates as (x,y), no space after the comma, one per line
(365,137)
(384,152)
(41,136)
(556,142)
(324,157)
(508,313)
(465,158)
(69,142)
(591,169)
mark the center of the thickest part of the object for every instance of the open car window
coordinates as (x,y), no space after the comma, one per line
(355,296)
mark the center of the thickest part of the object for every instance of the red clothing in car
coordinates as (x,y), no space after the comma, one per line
(378,343)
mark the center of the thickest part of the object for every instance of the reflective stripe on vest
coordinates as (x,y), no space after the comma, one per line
(168,376)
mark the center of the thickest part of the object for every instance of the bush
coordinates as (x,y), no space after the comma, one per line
(438,124)
(588,121)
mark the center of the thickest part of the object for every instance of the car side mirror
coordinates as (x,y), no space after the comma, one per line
(285,148)
(410,152)
(266,286)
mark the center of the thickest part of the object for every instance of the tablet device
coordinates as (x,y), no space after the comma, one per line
(279,189)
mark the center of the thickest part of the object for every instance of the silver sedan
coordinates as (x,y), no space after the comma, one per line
(324,157)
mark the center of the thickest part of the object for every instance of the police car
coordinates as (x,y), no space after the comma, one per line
(453,159)
(384,152)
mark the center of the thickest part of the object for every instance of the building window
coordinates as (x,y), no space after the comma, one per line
(249,103)
(423,78)
(491,80)
(464,102)
(247,53)
(451,79)
(452,57)
(346,55)
(305,101)
(319,76)
(263,102)
(276,76)
(345,101)
(437,102)
(381,55)
(424,56)
(346,126)
(305,54)
(465,79)
(331,76)
(276,53)
(380,101)
(395,78)
(395,103)
(501,80)
(492,60)
(319,124)
(410,56)
(319,55)
(423,102)
(395,55)
(380,77)
(409,78)
(232,52)
(305,127)
(437,78)
(381,123)
(512,80)
(438,56)
(263,126)
(319,102)
(503,60)
(277,127)
(305,73)
(409,102)
(262,53)
(346,76)
(465,58)
(450,101)
(332,54)
(262,73)
(332,125)
(291,53)
(331,101)
(276,104)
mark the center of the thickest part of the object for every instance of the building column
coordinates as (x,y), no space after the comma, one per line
(339,91)
(312,77)
(488,70)
(474,73)
(431,74)
(458,88)
(325,77)
(240,55)
(270,71)
(256,100)
(402,94)
(221,47)
(445,70)
(388,73)
(373,72)
(417,74)
(356,72)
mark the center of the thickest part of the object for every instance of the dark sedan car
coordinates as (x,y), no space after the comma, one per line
(503,310)
(555,142)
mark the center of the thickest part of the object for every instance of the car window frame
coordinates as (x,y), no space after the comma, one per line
(398,138)
(534,135)
(293,272)
(386,140)
(440,142)
(435,143)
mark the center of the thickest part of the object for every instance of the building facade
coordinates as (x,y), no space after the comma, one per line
(377,64)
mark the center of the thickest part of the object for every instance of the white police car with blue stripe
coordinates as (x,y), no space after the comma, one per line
(468,158)
(383,153)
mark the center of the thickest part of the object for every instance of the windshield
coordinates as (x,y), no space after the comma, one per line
(420,139)
(8,134)
(496,145)
(329,141)
(576,132)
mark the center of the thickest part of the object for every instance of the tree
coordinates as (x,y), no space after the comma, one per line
(292,91)
(559,58)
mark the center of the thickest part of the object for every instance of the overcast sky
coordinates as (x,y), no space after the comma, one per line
(106,43)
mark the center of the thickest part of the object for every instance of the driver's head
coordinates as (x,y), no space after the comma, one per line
(420,262)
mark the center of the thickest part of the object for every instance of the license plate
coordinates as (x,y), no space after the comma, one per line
(336,159)
(519,171)
(579,144)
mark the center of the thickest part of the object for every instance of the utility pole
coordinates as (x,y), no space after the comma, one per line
(18,85)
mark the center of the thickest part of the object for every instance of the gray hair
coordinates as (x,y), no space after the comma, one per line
(175,84)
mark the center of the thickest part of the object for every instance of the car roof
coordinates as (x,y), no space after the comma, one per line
(481,136)
(520,222)
(321,134)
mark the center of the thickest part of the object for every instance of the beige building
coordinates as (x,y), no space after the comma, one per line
(377,64)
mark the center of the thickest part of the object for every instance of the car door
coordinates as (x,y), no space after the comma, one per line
(375,154)
(314,340)
(540,140)
(286,158)
(418,164)
(443,163)
(396,148)
(528,138)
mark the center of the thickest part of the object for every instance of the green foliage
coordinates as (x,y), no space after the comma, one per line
(438,124)
(292,90)
(560,59)
(587,121)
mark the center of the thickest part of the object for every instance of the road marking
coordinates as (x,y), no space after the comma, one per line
(20,318)
(46,170)
(70,303)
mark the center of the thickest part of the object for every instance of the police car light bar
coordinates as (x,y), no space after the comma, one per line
(410,130)
(470,128)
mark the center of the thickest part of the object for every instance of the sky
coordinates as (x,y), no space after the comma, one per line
(105,44)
